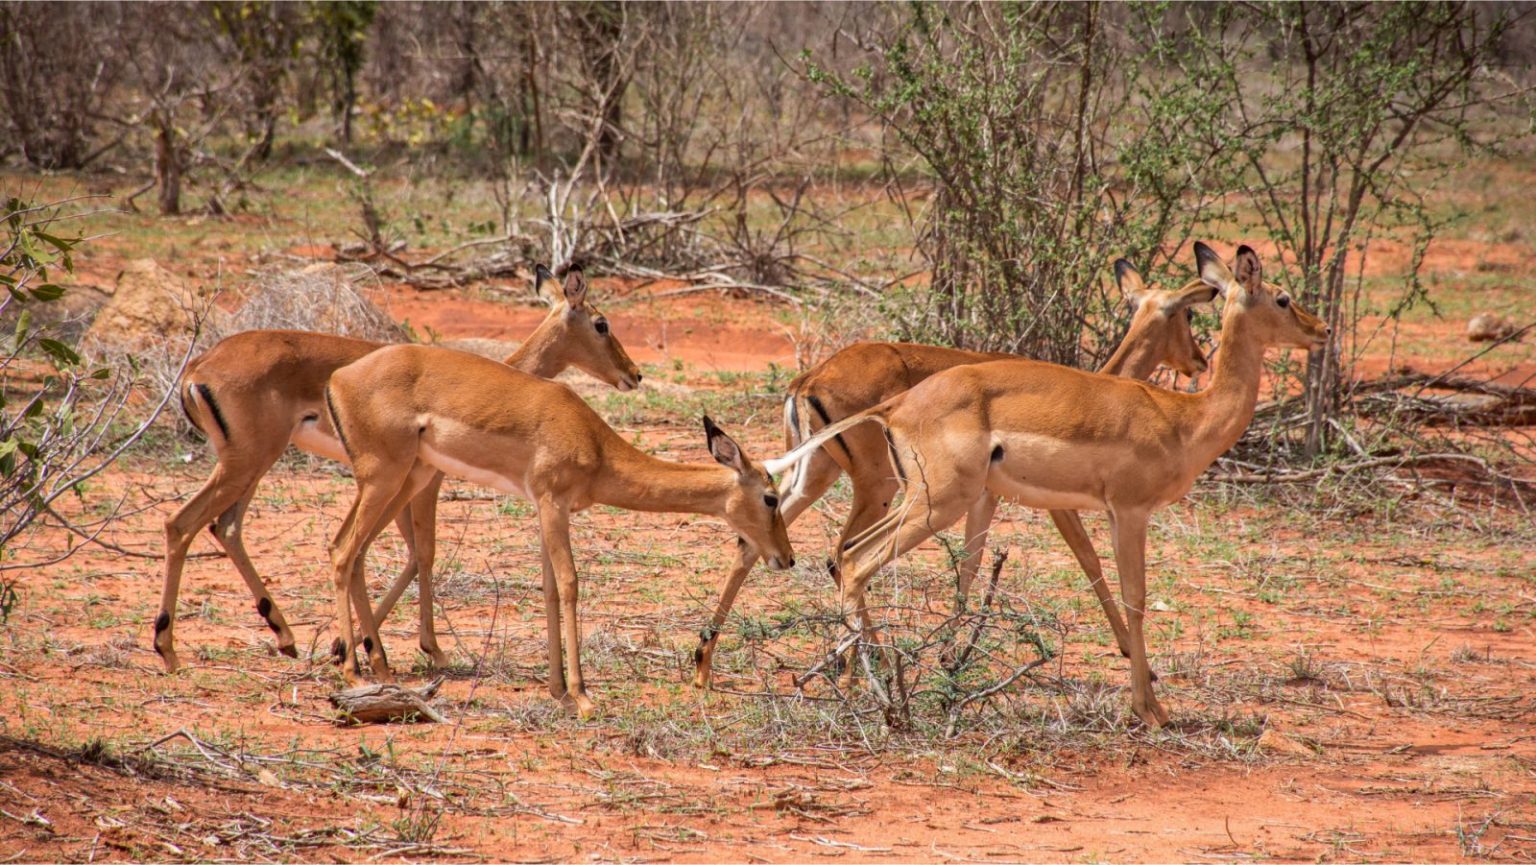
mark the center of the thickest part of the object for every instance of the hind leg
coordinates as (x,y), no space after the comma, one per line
(382,494)
(874,488)
(227,531)
(926,511)
(418,526)
(233,478)
(978,522)
(1073,532)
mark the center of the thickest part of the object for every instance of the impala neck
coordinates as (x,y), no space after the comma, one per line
(539,354)
(1227,406)
(1135,358)
(637,481)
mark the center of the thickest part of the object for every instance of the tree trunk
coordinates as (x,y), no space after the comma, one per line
(168,166)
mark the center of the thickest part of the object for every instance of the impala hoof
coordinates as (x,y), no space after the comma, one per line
(290,650)
(582,705)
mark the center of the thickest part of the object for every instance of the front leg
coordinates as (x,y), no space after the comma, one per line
(555,525)
(556,675)
(1130,556)
(704,655)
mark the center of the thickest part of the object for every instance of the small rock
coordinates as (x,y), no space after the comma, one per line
(1272,741)
(1489,327)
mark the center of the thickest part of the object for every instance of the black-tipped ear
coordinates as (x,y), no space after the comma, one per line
(724,448)
(541,281)
(1205,255)
(1212,270)
(1247,269)
(1129,280)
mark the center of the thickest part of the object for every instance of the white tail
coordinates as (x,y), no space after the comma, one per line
(802,451)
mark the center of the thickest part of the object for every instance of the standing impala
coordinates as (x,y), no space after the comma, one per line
(256,392)
(406,412)
(867,373)
(1058,438)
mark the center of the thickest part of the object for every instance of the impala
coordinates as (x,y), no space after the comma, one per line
(867,373)
(1058,438)
(256,392)
(406,412)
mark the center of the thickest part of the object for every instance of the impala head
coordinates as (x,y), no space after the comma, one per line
(578,334)
(1268,309)
(753,510)
(1161,324)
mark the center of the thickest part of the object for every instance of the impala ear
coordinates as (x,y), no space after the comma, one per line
(1191,295)
(724,448)
(1130,282)
(575,286)
(541,280)
(1213,271)
(1250,274)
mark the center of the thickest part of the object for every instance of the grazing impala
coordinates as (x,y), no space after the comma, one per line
(256,392)
(865,374)
(1058,438)
(406,412)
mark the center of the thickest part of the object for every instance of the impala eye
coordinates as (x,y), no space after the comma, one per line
(1283,301)
(602,326)
(1189,314)
(771,501)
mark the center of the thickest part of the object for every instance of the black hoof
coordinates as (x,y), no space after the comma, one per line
(290,651)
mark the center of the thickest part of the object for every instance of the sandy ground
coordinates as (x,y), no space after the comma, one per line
(1348,684)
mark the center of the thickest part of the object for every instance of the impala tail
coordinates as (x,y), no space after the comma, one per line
(198,404)
(809,444)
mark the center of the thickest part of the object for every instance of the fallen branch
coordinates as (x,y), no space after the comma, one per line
(370,704)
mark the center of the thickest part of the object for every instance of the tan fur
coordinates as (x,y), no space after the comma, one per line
(409,411)
(1071,439)
(866,374)
(268,387)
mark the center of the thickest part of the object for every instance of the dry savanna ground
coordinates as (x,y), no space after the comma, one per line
(1350,668)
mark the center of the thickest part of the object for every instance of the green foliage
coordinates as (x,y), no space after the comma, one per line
(57,413)
(1051,155)
(1347,115)
(29,252)
(342,31)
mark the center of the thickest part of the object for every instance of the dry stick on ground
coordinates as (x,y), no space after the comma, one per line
(368,704)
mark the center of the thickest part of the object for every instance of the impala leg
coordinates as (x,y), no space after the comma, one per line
(381,494)
(420,476)
(978,521)
(552,626)
(230,481)
(873,492)
(423,510)
(555,525)
(1072,531)
(823,473)
(417,523)
(930,511)
(405,524)
(1130,558)
(227,531)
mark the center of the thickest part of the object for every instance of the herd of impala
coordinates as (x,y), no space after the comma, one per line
(946,431)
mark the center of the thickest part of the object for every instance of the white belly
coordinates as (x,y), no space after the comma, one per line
(1032,496)
(465,471)
(308,438)
(1043,472)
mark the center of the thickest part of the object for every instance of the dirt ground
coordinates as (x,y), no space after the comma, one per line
(1351,682)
